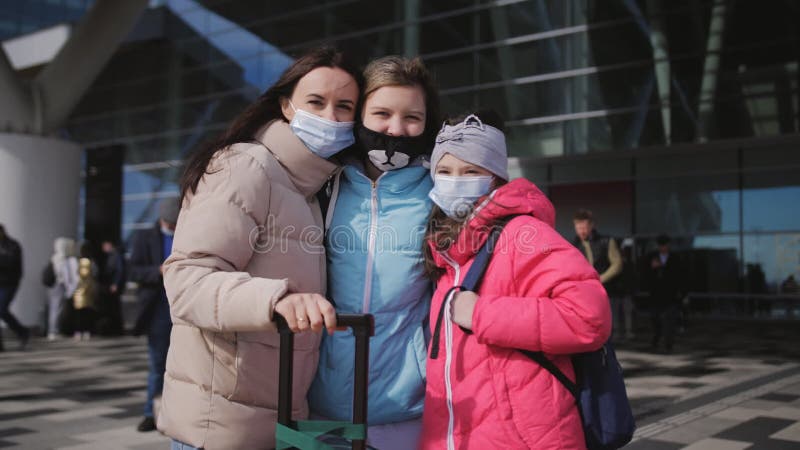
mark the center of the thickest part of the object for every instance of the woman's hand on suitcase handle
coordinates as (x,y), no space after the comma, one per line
(307,311)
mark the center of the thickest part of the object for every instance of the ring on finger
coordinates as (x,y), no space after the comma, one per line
(301,319)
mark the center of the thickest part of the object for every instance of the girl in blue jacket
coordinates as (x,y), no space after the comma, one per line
(375,227)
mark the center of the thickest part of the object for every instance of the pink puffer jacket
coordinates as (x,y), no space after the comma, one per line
(538,293)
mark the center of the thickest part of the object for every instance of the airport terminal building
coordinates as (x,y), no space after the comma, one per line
(678,117)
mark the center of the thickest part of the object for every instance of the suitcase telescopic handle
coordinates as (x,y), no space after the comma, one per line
(363,326)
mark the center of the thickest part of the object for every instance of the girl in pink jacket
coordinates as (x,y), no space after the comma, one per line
(538,293)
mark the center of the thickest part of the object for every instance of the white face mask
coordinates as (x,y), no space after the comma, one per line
(323,137)
(456,196)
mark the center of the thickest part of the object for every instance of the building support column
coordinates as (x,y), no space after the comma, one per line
(411,29)
(40,176)
(39,190)
(663,72)
(708,88)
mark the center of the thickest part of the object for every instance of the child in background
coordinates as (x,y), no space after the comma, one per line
(84,300)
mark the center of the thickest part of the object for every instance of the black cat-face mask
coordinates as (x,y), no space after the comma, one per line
(391,152)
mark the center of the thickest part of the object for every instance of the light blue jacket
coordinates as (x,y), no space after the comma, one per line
(374,243)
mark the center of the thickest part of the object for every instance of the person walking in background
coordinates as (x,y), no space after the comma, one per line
(603,254)
(10,276)
(538,294)
(64,265)
(665,278)
(84,299)
(382,274)
(249,246)
(112,283)
(149,249)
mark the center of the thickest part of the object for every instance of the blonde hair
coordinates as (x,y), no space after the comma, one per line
(400,71)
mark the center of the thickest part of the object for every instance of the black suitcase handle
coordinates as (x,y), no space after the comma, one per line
(363,326)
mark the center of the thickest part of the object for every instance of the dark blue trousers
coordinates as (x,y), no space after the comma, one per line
(157,346)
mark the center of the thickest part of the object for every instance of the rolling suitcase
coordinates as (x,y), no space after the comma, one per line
(305,434)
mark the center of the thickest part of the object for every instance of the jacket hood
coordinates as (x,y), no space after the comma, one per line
(63,247)
(307,171)
(517,197)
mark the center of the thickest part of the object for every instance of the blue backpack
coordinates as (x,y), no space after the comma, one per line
(599,389)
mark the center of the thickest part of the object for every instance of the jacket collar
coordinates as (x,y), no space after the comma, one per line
(395,180)
(307,171)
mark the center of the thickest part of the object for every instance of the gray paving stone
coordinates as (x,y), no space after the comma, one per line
(697,430)
(754,430)
(90,395)
(779,397)
(651,444)
(790,433)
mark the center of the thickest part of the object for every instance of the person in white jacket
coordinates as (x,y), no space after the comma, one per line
(65,269)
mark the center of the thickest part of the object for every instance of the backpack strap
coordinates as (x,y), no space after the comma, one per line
(548,365)
(471,282)
(473,278)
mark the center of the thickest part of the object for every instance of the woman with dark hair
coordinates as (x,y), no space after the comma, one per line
(248,244)
(376,219)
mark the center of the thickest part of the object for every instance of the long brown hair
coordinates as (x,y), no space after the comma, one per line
(265,109)
(442,230)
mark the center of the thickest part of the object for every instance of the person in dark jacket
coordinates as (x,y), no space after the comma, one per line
(10,275)
(664,276)
(112,283)
(149,249)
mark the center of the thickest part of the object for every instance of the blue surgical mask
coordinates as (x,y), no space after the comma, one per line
(323,137)
(456,196)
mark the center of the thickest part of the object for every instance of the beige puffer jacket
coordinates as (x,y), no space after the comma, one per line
(250,234)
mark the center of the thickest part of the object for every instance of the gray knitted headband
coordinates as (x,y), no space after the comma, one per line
(474,142)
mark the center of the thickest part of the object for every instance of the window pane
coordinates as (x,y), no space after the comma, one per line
(687,205)
(711,261)
(714,264)
(770,201)
(777,255)
(610,204)
(139,184)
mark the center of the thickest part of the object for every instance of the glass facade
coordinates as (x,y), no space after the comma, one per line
(596,94)
(18,18)
(731,210)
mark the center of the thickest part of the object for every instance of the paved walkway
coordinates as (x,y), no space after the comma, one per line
(726,387)
(75,395)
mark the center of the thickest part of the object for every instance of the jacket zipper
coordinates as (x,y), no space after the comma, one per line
(448,357)
(373,236)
